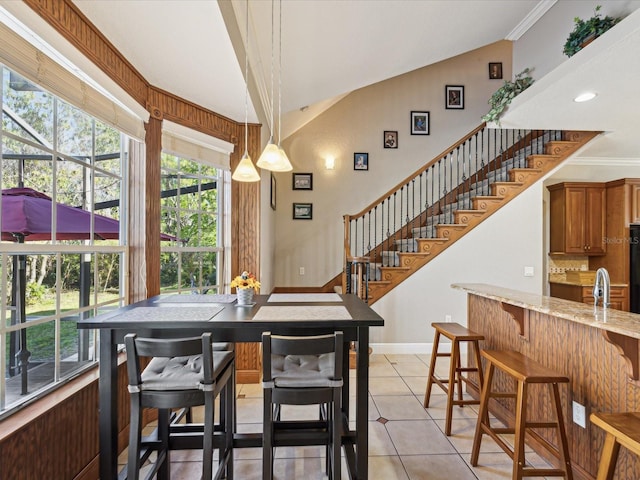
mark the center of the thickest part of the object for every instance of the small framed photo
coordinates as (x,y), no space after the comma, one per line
(273,191)
(302,211)
(361,161)
(390,139)
(495,70)
(419,123)
(454,97)
(303,181)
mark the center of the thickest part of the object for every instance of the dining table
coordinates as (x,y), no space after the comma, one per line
(185,315)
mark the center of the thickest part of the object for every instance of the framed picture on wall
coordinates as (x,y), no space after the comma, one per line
(495,70)
(302,211)
(303,181)
(361,161)
(454,97)
(390,139)
(419,123)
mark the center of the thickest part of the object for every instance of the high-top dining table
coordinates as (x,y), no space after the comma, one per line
(167,316)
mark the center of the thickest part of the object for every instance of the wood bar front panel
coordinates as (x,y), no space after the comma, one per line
(599,378)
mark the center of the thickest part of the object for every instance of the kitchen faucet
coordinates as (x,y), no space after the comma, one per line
(602,288)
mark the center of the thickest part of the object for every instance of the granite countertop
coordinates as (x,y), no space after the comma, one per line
(584,284)
(608,319)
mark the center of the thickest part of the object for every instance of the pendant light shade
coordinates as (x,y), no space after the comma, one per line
(273,157)
(245,171)
(270,157)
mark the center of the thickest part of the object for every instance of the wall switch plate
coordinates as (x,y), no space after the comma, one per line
(528,271)
(447,318)
(579,415)
(301,271)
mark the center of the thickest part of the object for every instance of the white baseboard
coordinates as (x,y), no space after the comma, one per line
(413,348)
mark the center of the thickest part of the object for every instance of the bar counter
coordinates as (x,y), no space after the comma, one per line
(624,323)
(598,349)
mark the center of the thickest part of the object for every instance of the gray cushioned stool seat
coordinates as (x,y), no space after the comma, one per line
(181,373)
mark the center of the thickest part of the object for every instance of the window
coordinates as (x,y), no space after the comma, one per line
(74,269)
(191,212)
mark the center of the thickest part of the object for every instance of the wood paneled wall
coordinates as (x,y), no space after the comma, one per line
(57,436)
(599,379)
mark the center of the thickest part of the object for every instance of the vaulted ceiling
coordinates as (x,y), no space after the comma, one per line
(195,49)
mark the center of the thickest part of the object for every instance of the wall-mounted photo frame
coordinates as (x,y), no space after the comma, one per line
(302,181)
(273,191)
(302,211)
(419,123)
(454,97)
(495,70)
(361,161)
(390,139)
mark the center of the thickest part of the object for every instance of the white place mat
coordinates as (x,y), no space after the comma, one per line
(191,298)
(170,314)
(306,312)
(304,297)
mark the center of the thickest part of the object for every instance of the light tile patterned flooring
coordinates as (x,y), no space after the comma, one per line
(406,441)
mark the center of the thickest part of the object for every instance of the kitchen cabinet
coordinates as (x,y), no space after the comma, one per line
(619,297)
(577,218)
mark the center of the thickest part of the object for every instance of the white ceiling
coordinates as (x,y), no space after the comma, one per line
(331,47)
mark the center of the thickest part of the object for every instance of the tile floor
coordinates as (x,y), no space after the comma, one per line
(406,441)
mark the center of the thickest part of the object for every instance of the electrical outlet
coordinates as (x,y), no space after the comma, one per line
(528,271)
(447,318)
(301,271)
(579,415)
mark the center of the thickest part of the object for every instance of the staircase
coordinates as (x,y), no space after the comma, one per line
(428,211)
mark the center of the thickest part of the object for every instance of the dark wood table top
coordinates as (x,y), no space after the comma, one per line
(233,316)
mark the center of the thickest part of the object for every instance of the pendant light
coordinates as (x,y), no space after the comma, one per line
(286,164)
(245,171)
(272,158)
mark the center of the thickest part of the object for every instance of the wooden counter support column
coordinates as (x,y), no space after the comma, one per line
(628,349)
(520,316)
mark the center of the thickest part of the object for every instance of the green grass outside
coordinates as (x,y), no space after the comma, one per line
(41,338)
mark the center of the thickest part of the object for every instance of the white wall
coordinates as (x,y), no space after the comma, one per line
(495,252)
(541,46)
(356,124)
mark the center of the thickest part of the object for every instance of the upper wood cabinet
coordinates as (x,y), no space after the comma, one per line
(577,218)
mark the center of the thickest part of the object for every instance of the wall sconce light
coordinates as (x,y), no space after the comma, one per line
(329,163)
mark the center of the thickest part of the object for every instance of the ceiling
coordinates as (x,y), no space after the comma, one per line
(329,47)
(195,49)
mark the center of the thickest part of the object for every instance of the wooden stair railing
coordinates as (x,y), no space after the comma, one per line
(442,201)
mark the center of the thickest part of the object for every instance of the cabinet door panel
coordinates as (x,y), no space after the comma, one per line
(575,222)
(595,220)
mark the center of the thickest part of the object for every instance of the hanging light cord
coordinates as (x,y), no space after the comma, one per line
(280,78)
(272,37)
(246,90)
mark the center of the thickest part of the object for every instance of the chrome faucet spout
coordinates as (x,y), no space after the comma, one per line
(602,288)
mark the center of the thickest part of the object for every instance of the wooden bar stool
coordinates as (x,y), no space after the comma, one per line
(526,372)
(456,333)
(622,429)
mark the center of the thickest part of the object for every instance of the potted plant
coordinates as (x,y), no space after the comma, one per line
(588,30)
(506,93)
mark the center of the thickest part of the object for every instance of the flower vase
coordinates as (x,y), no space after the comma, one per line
(245,296)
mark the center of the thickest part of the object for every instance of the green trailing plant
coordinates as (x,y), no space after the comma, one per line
(584,29)
(506,93)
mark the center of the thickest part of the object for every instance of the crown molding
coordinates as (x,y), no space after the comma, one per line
(604,161)
(530,20)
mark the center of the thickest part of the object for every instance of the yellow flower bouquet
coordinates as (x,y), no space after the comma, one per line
(245,280)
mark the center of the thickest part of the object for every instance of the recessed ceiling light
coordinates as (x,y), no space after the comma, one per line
(585,97)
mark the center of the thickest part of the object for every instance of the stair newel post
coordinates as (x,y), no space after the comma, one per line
(346,274)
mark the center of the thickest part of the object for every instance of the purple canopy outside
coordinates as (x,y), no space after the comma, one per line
(28,212)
